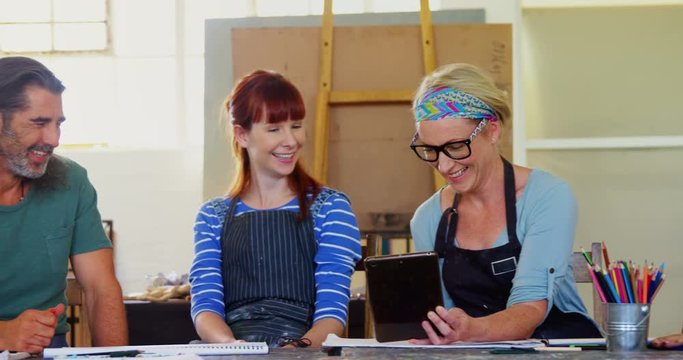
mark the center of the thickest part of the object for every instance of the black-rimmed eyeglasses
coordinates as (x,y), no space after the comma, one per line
(456,150)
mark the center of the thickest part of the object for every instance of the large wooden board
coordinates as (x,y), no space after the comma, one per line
(369,155)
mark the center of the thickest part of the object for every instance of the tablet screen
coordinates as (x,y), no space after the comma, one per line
(401,290)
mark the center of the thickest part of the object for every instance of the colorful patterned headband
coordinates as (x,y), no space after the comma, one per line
(445,102)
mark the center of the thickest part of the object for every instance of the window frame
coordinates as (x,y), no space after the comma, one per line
(107,50)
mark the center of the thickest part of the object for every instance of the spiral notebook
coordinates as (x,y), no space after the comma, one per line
(239,348)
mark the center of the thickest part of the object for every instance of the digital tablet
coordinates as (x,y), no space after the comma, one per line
(401,290)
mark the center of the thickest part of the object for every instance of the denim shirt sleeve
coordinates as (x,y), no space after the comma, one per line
(546,230)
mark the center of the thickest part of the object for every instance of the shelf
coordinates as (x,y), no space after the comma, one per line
(630,142)
(544,4)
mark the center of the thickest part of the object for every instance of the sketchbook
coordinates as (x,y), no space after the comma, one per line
(237,348)
(335,341)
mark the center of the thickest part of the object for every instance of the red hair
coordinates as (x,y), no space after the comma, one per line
(267,92)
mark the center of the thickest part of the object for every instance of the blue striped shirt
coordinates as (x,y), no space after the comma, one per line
(337,237)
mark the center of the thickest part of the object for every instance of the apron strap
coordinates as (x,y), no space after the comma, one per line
(227,219)
(447,227)
(510,200)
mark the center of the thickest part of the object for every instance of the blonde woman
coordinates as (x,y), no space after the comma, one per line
(504,232)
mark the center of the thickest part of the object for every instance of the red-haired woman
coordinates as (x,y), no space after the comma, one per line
(274,258)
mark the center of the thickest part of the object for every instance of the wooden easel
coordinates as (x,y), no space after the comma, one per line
(326,96)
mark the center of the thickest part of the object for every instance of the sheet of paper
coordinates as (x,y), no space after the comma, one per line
(6,355)
(237,348)
(159,357)
(335,341)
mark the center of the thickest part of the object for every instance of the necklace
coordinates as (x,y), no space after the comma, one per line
(23,190)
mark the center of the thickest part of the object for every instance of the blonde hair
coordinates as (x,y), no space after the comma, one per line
(470,79)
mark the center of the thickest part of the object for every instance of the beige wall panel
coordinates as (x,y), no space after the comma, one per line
(599,72)
(632,200)
(286,50)
(371,161)
(377,58)
(488,46)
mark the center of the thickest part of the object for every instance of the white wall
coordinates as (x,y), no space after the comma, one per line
(153,197)
(147,98)
(616,75)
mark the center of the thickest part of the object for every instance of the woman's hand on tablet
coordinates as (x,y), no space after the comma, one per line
(452,325)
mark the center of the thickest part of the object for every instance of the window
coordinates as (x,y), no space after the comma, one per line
(53,26)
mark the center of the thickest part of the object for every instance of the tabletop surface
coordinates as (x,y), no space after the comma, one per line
(438,354)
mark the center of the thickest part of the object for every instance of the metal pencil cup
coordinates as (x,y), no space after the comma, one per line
(626,326)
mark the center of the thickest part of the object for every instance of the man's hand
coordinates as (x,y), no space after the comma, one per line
(670,342)
(31,331)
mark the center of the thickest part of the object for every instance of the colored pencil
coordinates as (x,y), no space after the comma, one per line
(646,284)
(627,282)
(624,282)
(659,286)
(615,282)
(587,256)
(611,286)
(596,283)
(604,255)
(603,284)
(620,283)
(660,271)
(633,272)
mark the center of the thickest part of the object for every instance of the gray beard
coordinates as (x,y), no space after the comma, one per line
(19,163)
(20,167)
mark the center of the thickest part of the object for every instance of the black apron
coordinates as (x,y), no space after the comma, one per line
(268,274)
(480,281)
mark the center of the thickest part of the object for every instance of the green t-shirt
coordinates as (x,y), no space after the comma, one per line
(40,233)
